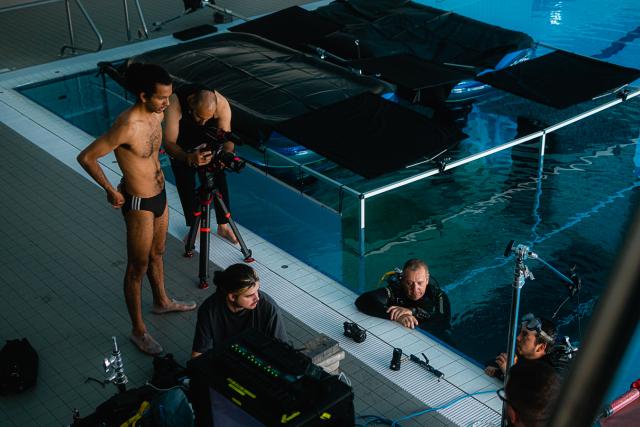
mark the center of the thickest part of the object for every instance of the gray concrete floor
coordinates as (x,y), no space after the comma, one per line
(63,251)
(63,257)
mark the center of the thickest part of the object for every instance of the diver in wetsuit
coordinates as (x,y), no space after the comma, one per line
(410,298)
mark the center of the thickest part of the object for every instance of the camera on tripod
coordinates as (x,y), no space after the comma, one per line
(215,139)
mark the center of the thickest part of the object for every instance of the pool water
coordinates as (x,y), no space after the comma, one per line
(574,213)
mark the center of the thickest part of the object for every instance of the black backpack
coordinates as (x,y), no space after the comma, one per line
(18,366)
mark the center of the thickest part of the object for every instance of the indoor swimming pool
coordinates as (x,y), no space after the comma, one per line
(575,212)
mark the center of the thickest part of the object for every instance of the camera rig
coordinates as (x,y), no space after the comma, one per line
(208,190)
(215,139)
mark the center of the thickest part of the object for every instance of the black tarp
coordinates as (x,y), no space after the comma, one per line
(417,80)
(561,79)
(265,83)
(293,26)
(370,135)
(389,27)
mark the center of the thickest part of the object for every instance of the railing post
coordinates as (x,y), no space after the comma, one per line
(127,22)
(145,30)
(67,7)
(362,224)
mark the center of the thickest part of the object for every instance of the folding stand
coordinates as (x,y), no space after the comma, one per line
(202,220)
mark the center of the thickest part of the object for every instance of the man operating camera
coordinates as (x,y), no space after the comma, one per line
(193,114)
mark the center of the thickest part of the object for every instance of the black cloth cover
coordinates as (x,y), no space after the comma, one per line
(370,135)
(293,26)
(418,80)
(411,72)
(193,32)
(561,79)
(265,83)
(388,27)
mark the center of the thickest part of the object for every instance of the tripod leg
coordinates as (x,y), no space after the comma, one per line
(190,244)
(205,230)
(243,247)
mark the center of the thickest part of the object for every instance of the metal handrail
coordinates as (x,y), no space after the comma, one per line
(127,22)
(72,46)
(539,134)
(95,30)
(362,196)
(502,147)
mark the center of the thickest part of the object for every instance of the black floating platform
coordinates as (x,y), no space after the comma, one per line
(561,79)
(416,78)
(370,135)
(293,26)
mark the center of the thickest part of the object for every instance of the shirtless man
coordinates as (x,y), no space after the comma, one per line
(135,139)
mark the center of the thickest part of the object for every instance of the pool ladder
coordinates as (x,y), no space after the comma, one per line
(72,43)
(95,30)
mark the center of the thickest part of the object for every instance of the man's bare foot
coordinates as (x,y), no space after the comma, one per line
(174,305)
(146,344)
(226,232)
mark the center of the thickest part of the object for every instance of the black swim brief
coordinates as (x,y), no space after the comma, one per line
(156,204)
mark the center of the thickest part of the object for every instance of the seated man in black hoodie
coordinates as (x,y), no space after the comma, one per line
(410,298)
(237,304)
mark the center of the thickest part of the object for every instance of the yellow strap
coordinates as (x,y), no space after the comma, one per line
(131,422)
(386,275)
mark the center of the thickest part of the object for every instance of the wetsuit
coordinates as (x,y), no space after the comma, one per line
(191,135)
(554,358)
(433,310)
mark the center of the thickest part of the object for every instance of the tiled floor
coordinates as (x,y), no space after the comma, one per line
(63,257)
(62,253)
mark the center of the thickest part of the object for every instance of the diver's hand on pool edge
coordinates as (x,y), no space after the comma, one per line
(408,321)
(396,312)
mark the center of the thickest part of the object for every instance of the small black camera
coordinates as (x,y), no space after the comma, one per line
(355,332)
(215,139)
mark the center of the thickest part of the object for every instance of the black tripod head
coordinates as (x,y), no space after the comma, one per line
(215,138)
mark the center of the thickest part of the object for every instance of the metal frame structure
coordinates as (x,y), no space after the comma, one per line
(363,196)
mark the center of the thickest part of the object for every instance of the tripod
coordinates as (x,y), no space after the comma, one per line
(202,220)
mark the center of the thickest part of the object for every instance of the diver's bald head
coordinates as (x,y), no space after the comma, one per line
(203,105)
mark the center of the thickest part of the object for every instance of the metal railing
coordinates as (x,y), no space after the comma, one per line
(539,134)
(72,47)
(127,23)
(363,196)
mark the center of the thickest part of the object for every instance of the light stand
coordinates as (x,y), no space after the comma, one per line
(521,274)
(114,369)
